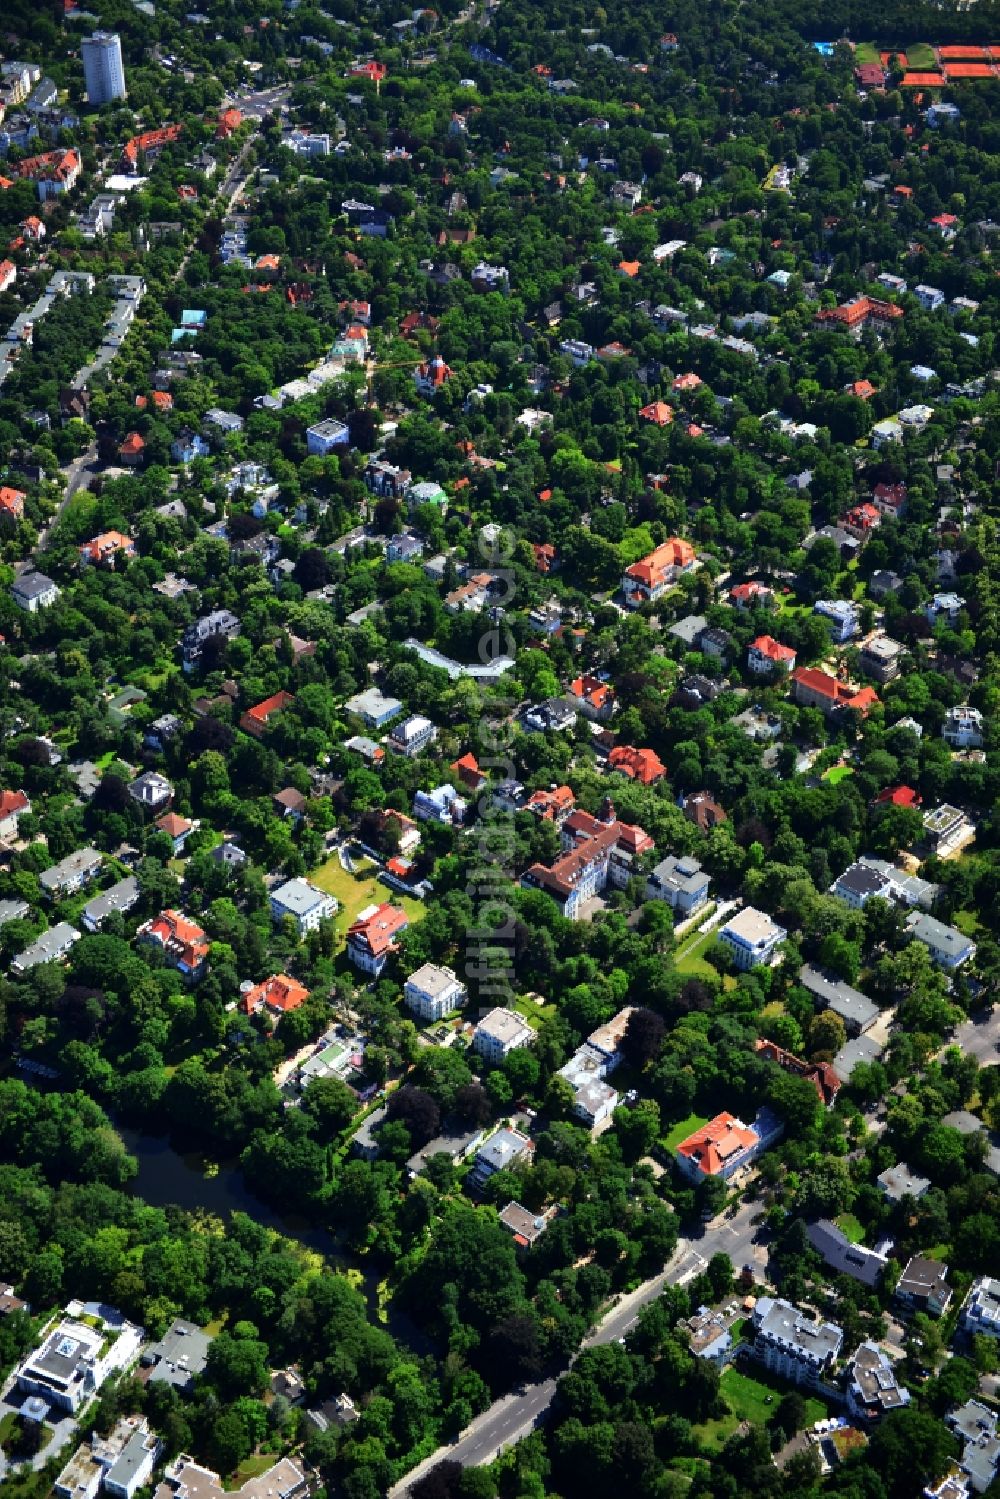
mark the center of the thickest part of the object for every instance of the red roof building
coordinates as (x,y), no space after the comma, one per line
(767,655)
(890,499)
(870,75)
(278,995)
(594,698)
(374,71)
(596,851)
(545,554)
(642,765)
(106,547)
(820,1074)
(11,502)
(553,805)
(863,389)
(690,381)
(719,1148)
(466,768)
(752,595)
(646,580)
(255,720)
(899,796)
(132,449)
(861,520)
(863,310)
(183,941)
(371,940)
(657,412)
(150,143)
(812,688)
(630,268)
(229,122)
(13,804)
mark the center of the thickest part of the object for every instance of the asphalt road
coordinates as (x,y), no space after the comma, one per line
(515,1415)
(980,1037)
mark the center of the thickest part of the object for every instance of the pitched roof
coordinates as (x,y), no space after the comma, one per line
(279,993)
(773,650)
(713,1146)
(377,927)
(642,765)
(898,796)
(657,412)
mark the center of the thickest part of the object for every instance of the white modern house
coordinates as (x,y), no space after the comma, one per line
(304,903)
(433,992)
(499,1033)
(74,1358)
(752,937)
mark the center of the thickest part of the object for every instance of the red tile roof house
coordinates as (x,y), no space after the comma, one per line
(466,768)
(103,549)
(8,274)
(861,520)
(13,804)
(719,1148)
(642,765)
(545,553)
(649,578)
(177,828)
(820,1074)
(11,502)
(596,851)
(184,943)
(256,720)
(752,595)
(767,656)
(553,805)
(132,449)
(817,689)
(856,315)
(371,939)
(277,994)
(593,698)
(657,412)
(899,796)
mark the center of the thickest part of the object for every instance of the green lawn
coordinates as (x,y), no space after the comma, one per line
(251,1467)
(355,891)
(838,773)
(920,56)
(690,956)
(865,52)
(750,1400)
(682,1129)
(967,922)
(851,1227)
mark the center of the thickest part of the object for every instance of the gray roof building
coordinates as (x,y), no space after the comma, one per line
(13,910)
(857,1012)
(179,1355)
(120,897)
(48,948)
(72,872)
(899,1181)
(843,1257)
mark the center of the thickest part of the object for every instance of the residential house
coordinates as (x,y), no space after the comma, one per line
(963,728)
(374,707)
(752,937)
(898,1183)
(69,1366)
(290,803)
(929,297)
(500,1152)
(709,1336)
(844,1257)
(183,1478)
(946,606)
(647,580)
(642,765)
(278,995)
(923,1286)
(433,992)
(680,882)
(525,1227)
(304,903)
(371,937)
(183,943)
(830,993)
(873,1388)
(13,804)
(890,500)
(812,688)
(981,1310)
(553,804)
(841,617)
(880,658)
(187,446)
(726,1145)
(949,947)
(767,656)
(326,436)
(820,1074)
(596,850)
(257,720)
(71,873)
(442,804)
(50,947)
(751,595)
(221,624)
(593,698)
(701,808)
(860,882)
(947,829)
(33,591)
(976,1427)
(431,375)
(151,791)
(120,897)
(412,736)
(792,1345)
(466,769)
(404,548)
(554,716)
(499,1033)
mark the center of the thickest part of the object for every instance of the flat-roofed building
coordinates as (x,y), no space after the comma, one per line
(792,1345)
(752,937)
(499,1033)
(433,992)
